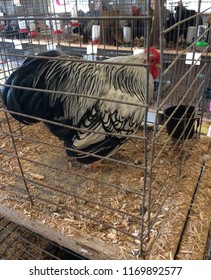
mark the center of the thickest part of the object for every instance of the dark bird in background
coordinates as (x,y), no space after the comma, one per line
(169,20)
(124,83)
(140,26)
(182,13)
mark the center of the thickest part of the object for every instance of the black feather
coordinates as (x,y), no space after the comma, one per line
(45,83)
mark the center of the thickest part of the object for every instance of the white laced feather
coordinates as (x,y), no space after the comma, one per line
(121,83)
(95,80)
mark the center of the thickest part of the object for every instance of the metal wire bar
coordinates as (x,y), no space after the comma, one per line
(160,11)
(8,234)
(184,20)
(164,183)
(159,179)
(160,152)
(66,148)
(143,203)
(57,190)
(21,234)
(75,173)
(184,96)
(21,237)
(156,134)
(83,18)
(24,251)
(19,163)
(190,208)
(75,212)
(151,222)
(151,203)
(182,53)
(71,127)
(179,82)
(75,94)
(75,59)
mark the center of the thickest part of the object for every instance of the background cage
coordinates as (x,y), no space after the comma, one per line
(138,205)
(20,243)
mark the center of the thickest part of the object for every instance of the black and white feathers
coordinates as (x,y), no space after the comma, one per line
(56,88)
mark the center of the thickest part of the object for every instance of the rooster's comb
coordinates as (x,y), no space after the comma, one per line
(155,53)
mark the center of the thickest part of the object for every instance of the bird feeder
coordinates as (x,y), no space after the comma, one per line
(191,34)
(95,33)
(127,34)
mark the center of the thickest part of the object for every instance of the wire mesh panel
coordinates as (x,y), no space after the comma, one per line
(73,94)
(18,243)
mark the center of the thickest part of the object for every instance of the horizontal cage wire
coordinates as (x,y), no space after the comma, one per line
(30,245)
(98,146)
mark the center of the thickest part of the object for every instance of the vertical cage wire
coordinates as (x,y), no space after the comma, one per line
(188,89)
(30,245)
(100,201)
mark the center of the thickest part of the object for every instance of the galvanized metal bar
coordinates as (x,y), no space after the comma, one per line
(73,195)
(184,20)
(18,159)
(75,173)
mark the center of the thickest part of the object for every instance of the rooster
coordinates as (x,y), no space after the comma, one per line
(91,121)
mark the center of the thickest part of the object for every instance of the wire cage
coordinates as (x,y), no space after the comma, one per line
(136,203)
(19,243)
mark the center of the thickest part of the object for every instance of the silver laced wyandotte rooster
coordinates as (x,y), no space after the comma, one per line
(124,83)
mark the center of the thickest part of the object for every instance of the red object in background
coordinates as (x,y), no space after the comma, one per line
(23,31)
(57,32)
(3,27)
(74,24)
(95,42)
(58,3)
(134,10)
(33,33)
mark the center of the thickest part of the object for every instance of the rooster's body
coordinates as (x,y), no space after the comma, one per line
(89,116)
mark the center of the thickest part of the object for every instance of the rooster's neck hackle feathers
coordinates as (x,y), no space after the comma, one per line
(69,76)
(68,90)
